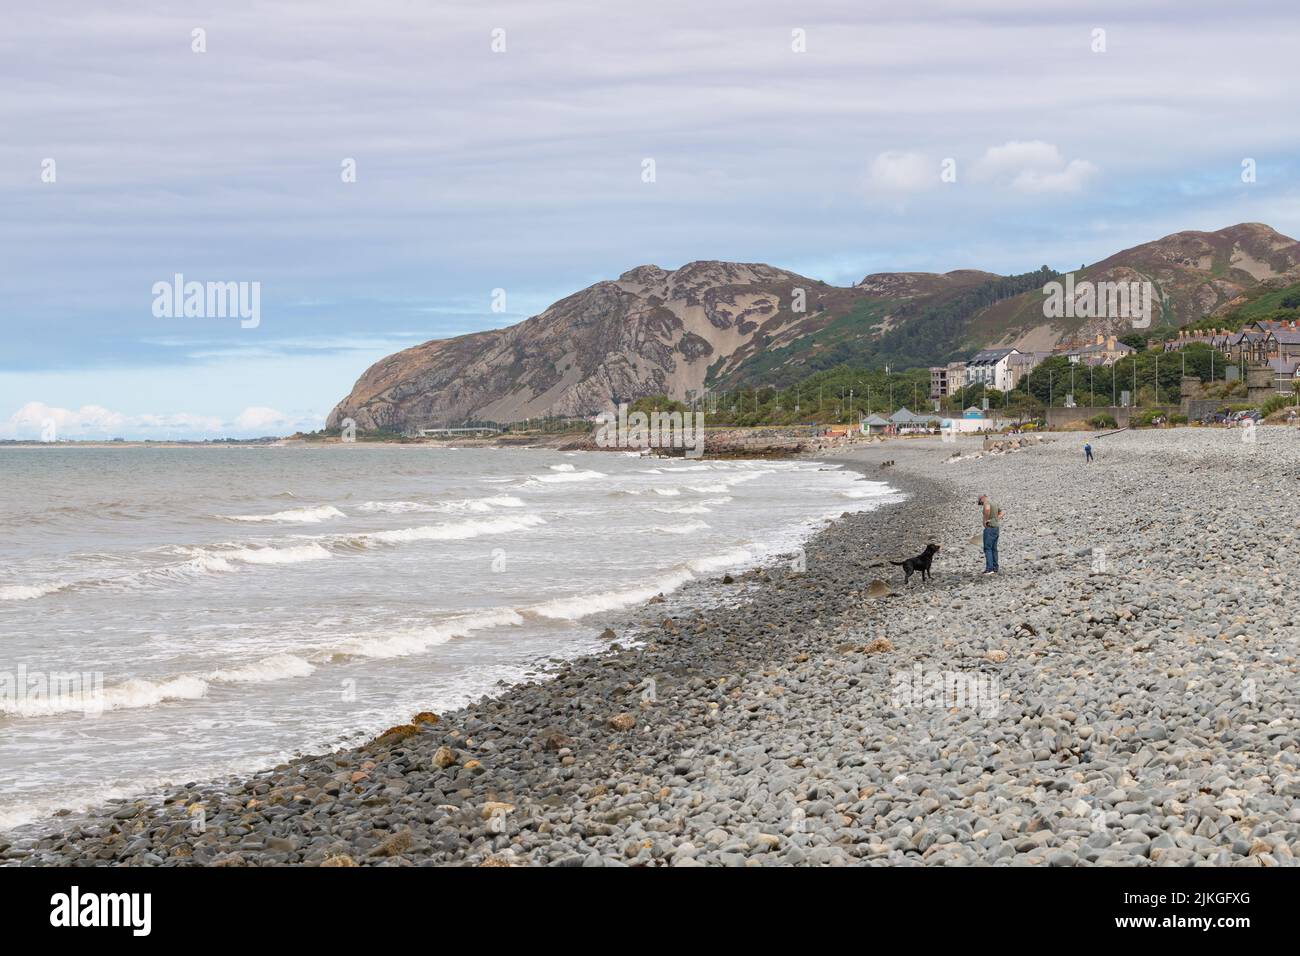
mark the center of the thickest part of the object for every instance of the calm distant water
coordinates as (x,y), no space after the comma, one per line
(229,607)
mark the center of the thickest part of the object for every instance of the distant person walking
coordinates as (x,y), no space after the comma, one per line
(1087,453)
(992,517)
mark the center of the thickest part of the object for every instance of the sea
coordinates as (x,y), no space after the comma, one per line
(176,614)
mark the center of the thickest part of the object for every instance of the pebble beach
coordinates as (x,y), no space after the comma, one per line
(1123,693)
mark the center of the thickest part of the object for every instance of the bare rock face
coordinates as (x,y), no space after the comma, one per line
(648,332)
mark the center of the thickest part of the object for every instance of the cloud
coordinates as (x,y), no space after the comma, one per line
(1032,167)
(261,418)
(37,418)
(1022,166)
(894,171)
(49,422)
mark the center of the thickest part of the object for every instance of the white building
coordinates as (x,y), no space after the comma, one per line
(992,369)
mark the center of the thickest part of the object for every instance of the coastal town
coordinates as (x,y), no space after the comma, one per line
(1269,347)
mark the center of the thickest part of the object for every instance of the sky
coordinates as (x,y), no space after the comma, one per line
(377,174)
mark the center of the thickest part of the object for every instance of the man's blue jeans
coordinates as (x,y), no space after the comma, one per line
(991,549)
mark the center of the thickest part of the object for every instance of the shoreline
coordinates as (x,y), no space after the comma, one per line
(728,443)
(697,595)
(1132,678)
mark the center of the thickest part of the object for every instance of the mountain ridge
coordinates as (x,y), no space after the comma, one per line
(717,324)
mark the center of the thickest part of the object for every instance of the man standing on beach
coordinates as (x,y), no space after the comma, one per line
(1087,453)
(992,525)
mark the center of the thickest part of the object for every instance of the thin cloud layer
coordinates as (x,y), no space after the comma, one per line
(37,421)
(1034,167)
(380,169)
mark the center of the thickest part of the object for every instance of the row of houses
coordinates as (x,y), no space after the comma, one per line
(1270,342)
(1273,343)
(1004,369)
(1258,342)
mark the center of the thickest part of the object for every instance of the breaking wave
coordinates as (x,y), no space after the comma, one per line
(26,592)
(478,505)
(698,508)
(296,515)
(404,642)
(686,527)
(130,694)
(562,477)
(456,531)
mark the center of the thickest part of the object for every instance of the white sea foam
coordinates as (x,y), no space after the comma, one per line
(457,531)
(202,563)
(296,515)
(127,695)
(582,605)
(274,668)
(727,483)
(291,555)
(579,606)
(221,559)
(137,693)
(396,507)
(696,509)
(875,490)
(26,592)
(477,505)
(732,558)
(564,477)
(407,641)
(686,527)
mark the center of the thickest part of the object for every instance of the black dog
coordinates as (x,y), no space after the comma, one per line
(919,563)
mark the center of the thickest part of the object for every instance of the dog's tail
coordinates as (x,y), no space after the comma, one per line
(898,563)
